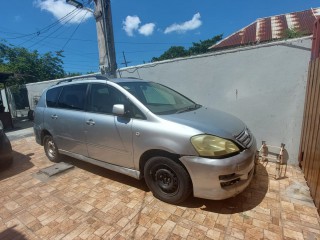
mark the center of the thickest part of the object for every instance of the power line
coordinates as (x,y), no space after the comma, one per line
(45,29)
(74,31)
(152,43)
(38,33)
(160,50)
(86,65)
(118,42)
(78,11)
(125,60)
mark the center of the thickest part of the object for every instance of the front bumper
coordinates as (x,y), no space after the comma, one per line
(218,179)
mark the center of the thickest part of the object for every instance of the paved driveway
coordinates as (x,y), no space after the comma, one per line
(89,202)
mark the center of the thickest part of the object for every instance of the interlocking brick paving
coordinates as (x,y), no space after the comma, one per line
(89,202)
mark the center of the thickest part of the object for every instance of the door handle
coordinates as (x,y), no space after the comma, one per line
(90,122)
(54,116)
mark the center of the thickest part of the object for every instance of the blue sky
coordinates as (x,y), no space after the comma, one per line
(142,29)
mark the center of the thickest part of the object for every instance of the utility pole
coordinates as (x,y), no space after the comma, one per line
(125,60)
(107,54)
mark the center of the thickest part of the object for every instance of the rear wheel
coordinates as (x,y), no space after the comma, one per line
(167,180)
(51,149)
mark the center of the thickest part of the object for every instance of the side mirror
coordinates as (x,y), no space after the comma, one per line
(118,109)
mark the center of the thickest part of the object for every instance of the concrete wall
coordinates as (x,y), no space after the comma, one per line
(262,85)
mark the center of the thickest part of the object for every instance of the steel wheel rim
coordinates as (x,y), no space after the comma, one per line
(166,179)
(51,149)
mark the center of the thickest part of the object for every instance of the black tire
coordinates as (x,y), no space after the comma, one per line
(167,180)
(51,149)
(30,115)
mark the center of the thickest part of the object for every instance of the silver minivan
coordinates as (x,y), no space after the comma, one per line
(146,130)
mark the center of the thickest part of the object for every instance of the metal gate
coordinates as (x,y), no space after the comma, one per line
(309,152)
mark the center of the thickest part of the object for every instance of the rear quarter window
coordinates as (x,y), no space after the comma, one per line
(73,97)
(52,96)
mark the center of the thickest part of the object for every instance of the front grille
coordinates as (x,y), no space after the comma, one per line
(229,183)
(229,179)
(244,138)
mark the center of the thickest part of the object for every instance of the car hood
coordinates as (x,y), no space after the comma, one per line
(209,121)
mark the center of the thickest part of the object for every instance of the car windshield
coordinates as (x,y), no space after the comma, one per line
(159,99)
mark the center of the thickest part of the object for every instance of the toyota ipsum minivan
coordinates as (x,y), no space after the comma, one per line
(146,130)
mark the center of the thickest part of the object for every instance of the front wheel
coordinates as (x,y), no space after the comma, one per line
(51,149)
(167,180)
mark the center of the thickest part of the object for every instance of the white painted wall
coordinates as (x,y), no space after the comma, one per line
(8,101)
(262,85)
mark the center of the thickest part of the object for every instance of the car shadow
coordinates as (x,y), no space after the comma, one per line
(19,164)
(11,233)
(250,198)
(103,172)
(247,200)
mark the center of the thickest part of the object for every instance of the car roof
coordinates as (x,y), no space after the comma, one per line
(98,78)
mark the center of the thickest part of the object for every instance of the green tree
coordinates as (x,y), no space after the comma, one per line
(29,66)
(172,52)
(203,46)
(196,48)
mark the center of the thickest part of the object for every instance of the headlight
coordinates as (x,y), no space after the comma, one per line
(1,126)
(212,146)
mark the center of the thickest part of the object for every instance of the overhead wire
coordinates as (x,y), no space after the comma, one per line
(45,29)
(74,31)
(117,42)
(64,23)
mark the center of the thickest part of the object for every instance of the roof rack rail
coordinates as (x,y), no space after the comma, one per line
(133,78)
(88,77)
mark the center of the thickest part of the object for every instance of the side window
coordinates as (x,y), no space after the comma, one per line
(73,97)
(103,97)
(52,96)
(100,99)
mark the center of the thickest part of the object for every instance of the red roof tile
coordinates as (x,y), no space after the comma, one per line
(271,28)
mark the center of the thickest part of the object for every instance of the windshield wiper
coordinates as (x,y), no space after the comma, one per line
(189,108)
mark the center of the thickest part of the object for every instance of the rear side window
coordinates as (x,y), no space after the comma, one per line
(73,97)
(52,96)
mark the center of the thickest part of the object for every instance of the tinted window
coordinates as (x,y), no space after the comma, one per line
(73,97)
(52,96)
(103,97)
(100,99)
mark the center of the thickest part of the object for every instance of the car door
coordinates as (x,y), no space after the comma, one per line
(68,117)
(50,112)
(108,137)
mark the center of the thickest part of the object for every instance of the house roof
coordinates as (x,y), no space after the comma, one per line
(271,28)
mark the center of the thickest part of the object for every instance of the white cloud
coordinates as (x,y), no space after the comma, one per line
(59,8)
(131,24)
(192,24)
(147,29)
